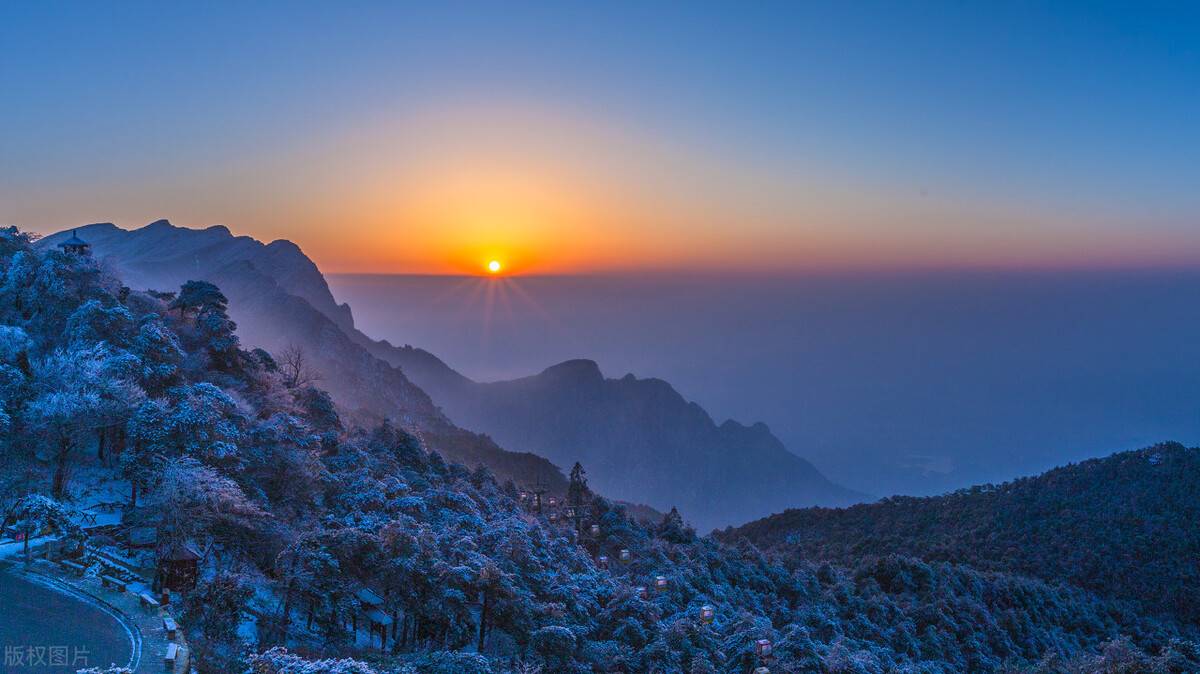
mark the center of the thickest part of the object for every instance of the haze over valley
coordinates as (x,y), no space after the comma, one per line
(890,383)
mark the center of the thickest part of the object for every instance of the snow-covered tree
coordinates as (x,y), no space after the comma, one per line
(76,392)
(36,513)
(93,322)
(199,297)
(212,614)
(278,660)
(204,422)
(199,503)
(160,352)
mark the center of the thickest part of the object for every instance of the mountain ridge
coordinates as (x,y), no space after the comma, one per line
(679,454)
(588,412)
(1121,526)
(275,318)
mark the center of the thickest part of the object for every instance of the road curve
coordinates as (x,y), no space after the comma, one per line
(44,624)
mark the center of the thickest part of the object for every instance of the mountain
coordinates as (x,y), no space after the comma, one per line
(1124,526)
(639,439)
(279,299)
(307,519)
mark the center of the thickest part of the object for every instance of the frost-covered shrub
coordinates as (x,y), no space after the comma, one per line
(554,644)
(450,662)
(278,661)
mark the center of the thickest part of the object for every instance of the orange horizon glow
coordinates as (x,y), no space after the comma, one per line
(449,189)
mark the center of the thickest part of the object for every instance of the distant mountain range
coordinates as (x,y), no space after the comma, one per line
(1122,527)
(639,439)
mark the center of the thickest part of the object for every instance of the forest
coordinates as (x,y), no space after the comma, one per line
(326,546)
(1122,526)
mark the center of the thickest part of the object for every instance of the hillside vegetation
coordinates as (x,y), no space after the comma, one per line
(1124,526)
(295,511)
(281,303)
(636,435)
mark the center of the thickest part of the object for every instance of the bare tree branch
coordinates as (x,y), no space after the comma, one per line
(297,371)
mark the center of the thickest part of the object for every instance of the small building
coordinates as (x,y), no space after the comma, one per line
(377,620)
(762,647)
(76,245)
(624,555)
(178,568)
(660,583)
(707,613)
(380,622)
(595,529)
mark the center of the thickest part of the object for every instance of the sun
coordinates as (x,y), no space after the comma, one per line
(494,267)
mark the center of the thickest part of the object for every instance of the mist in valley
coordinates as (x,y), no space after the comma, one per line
(912,383)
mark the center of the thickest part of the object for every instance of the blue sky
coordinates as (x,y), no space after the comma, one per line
(1063,121)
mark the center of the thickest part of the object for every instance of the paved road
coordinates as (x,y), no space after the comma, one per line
(41,628)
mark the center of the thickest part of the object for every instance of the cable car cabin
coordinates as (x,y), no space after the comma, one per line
(624,555)
(641,592)
(707,613)
(595,529)
(762,647)
(660,583)
(603,561)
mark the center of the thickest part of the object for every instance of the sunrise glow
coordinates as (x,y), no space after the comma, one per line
(493,267)
(421,170)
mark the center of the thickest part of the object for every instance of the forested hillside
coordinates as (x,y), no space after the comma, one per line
(635,434)
(296,513)
(1123,526)
(281,303)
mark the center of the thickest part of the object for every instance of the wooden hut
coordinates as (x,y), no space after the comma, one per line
(178,567)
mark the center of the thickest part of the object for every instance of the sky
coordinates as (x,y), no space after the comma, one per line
(593,137)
